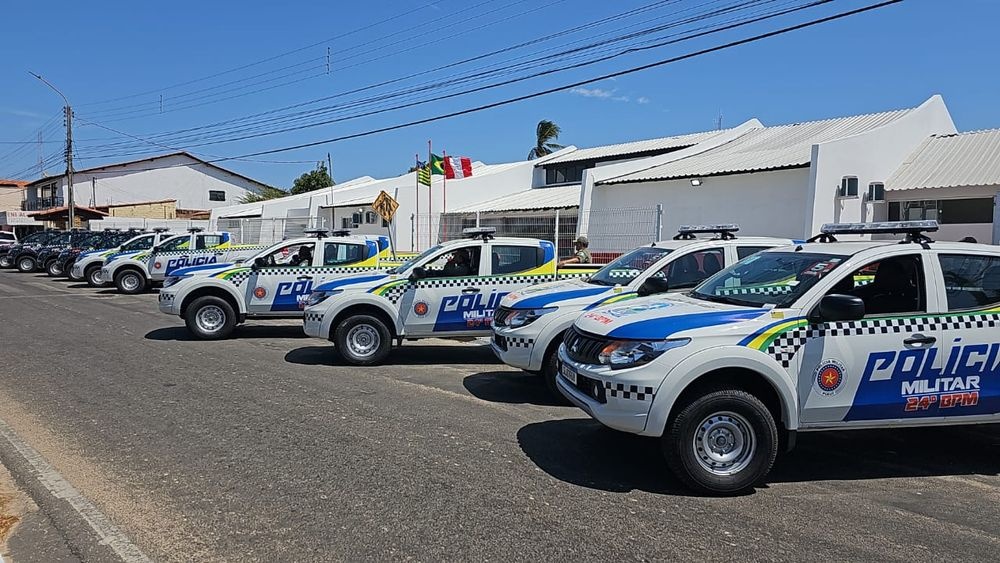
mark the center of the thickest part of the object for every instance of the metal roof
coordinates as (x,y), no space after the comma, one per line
(559,197)
(948,161)
(765,148)
(623,150)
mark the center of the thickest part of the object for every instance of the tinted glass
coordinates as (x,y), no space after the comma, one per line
(971,281)
(513,259)
(891,286)
(744,251)
(687,271)
(628,266)
(335,253)
(768,278)
(143,243)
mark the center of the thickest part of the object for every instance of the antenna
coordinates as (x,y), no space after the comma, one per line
(718,122)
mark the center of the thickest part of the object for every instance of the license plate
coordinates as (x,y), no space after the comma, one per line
(568,373)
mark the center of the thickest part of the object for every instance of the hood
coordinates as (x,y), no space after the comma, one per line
(561,292)
(659,317)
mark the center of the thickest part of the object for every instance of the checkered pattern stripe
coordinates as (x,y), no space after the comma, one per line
(395,293)
(313,317)
(634,392)
(518,342)
(238,278)
(166,297)
(765,290)
(786,345)
(210,250)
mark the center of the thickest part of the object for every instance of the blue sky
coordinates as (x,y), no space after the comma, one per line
(892,58)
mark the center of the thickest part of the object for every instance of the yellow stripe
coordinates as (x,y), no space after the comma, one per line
(758,343)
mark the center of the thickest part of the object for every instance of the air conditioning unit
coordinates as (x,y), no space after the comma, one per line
(876,192)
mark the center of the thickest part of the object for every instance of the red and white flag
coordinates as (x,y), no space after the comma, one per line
(457,167)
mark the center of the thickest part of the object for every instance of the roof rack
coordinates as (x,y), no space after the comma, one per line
(195,229)
(485,233)
(318,233)
(725,232)
(913,231)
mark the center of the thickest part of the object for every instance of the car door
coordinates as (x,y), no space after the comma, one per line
(971,287)
(864,370)
(444,302)
(281,280)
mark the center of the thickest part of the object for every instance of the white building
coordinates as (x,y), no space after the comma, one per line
(194,183)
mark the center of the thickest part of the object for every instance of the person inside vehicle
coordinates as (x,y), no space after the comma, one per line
(460,264)
(304,256)
(581,255)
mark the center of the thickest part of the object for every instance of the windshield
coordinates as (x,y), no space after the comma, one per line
(409,263)
(768,279)
(62,238)
(92,239)
(139,243)
(628,266)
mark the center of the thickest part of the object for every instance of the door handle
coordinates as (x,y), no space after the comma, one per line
(303,278)
(920,340)
(470,290)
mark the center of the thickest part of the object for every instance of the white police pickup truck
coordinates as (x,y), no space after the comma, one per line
(88,265)
(529,324)
(450,290)
(825,335)
(214,298)
(131,274)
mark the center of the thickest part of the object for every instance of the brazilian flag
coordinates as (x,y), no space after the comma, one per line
(436,165)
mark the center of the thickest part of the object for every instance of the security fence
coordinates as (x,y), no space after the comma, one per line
(255,230)
(178,225)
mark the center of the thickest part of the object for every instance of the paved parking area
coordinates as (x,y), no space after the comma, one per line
(262,447)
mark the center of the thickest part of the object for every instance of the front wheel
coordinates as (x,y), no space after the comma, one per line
(69,274)
(54,268)
(210,318)
(722,443)
(130,282)
(6,261)
(550,371)
(363,340)
(26,264)
(93,276)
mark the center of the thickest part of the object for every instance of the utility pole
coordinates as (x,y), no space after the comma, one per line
(68,112)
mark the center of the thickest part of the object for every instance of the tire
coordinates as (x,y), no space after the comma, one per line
(210,318)
(6,262)
(363,340)
(93,276)
(130,282)
(54,268)
(550,371)
(26,264)
(69,274)
(748,442)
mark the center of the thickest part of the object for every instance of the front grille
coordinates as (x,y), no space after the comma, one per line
(583,348)
(500,341)
(501,315)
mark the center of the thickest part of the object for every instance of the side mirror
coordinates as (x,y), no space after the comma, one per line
(418,273)
(652,286)
(838,307)
(156,248)
(258,263)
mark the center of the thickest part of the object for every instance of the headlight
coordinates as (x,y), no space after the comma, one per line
(622,354)
(171,280)
(524,317)
(317,297)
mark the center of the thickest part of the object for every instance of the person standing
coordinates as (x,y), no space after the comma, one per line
(581,253)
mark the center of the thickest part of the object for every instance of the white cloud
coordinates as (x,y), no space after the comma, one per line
(592,92)
(643,100)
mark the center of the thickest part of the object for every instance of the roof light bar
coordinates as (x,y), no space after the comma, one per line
(161,229)
(195,229)
(887,227)
(485,233)
(725,231)
(320,233)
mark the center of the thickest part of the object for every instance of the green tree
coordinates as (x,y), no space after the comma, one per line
(313,180)
(265,194)
(546,132)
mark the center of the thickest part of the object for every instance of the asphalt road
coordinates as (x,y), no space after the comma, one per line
(263,448)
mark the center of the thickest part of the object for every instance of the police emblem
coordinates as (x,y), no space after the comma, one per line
(830,376)
(420,308)
(157,265)
(260,292)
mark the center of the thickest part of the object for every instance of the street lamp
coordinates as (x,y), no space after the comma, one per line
(68,110)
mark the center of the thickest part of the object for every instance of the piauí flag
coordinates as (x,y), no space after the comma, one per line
(457,167)
(436,165)
(423,173)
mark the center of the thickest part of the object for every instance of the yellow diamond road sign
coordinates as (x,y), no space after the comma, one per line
(385,206)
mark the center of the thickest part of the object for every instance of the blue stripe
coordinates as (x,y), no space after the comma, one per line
(547,299)
(191,269)
(348,281)
(663,327)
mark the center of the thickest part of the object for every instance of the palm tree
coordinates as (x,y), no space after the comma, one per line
(546,132)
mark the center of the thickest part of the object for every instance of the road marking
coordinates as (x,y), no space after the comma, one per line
(108,533)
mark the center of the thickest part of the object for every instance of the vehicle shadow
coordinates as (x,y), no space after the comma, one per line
(513,387)
(583,452)
(181,334)
(407,355)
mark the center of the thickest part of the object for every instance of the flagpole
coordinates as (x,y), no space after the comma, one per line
(444,184)
(414,244)
(430,194)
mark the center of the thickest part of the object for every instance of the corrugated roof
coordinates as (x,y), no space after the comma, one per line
(767,148)
(559,197)
(948,161)
(360,200)
(623,150)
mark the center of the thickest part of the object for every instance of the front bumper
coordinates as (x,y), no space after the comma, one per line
(515,351)
(621,401)
(312,324)
(168,303)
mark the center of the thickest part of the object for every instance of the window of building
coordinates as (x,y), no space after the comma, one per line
(513,259)
(876,191)
(371,217)
(565,173)
(216,195)
(385,223)
(970,281)
(849,186)
(945,211)
(356,218)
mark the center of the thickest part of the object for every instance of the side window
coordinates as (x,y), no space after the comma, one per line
(891,286)
(179,243)
(298,254)
(455,263)
(744,251)
(513,259)
(335,254)
(970,281)
(693,268)
(207,241)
